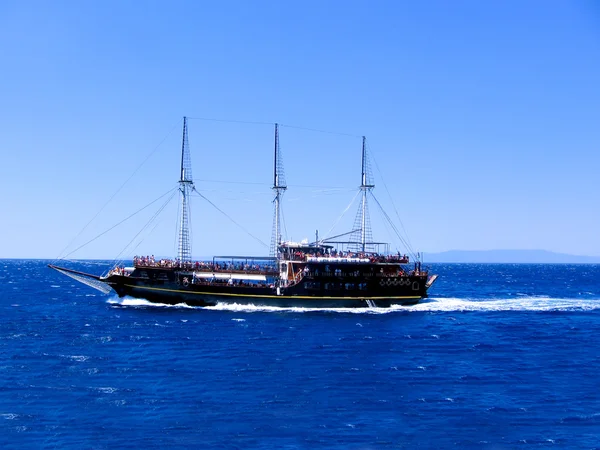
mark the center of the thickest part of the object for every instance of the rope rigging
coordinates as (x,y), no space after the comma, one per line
(121,222)
(230,218)
(320,131)
(116,261)
(114,195)
(285,231)
(317,191)
(387,217)
(249,122)
(408,243)
(254,183)
(341,216)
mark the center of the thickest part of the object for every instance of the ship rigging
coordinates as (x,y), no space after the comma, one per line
(328,272)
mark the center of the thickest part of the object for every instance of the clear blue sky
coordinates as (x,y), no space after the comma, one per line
(483,118)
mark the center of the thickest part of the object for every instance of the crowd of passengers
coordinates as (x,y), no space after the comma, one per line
(372,257)
(119,270)
(201,266)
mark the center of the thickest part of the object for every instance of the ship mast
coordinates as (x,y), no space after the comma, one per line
(186,185)
(279,186)
(362,222)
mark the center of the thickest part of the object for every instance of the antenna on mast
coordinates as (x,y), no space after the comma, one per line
(186,185)
(279,186)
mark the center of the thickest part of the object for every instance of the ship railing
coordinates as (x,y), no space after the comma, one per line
(119,270)
(167,264)
(418,273)
(340,274)
(334,259)
(348,258)
(204,267)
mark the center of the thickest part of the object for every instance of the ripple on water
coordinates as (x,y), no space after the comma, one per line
(106,390)
(78,358)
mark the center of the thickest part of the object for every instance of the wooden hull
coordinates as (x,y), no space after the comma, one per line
(171,286)
(378,293)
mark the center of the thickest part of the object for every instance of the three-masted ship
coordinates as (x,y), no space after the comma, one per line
(326,273)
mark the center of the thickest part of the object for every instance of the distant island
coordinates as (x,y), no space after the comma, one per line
(508,256)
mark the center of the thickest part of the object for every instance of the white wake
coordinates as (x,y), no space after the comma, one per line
(426,305)
(508,304)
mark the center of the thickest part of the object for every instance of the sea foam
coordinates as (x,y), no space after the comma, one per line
(426,305)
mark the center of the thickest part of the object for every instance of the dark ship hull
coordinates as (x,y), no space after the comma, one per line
(172,287)
(297,296)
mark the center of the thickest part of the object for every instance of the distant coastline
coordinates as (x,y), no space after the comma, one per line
(508,256)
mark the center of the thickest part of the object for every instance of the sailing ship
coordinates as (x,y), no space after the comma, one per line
(327,273)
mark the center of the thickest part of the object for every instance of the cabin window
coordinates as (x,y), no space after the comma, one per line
(333,286)
(350,286)
(314,285)
(362,286)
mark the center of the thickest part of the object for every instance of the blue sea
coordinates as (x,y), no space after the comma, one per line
(499,357)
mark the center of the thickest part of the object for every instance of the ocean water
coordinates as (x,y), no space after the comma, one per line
(500,357)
